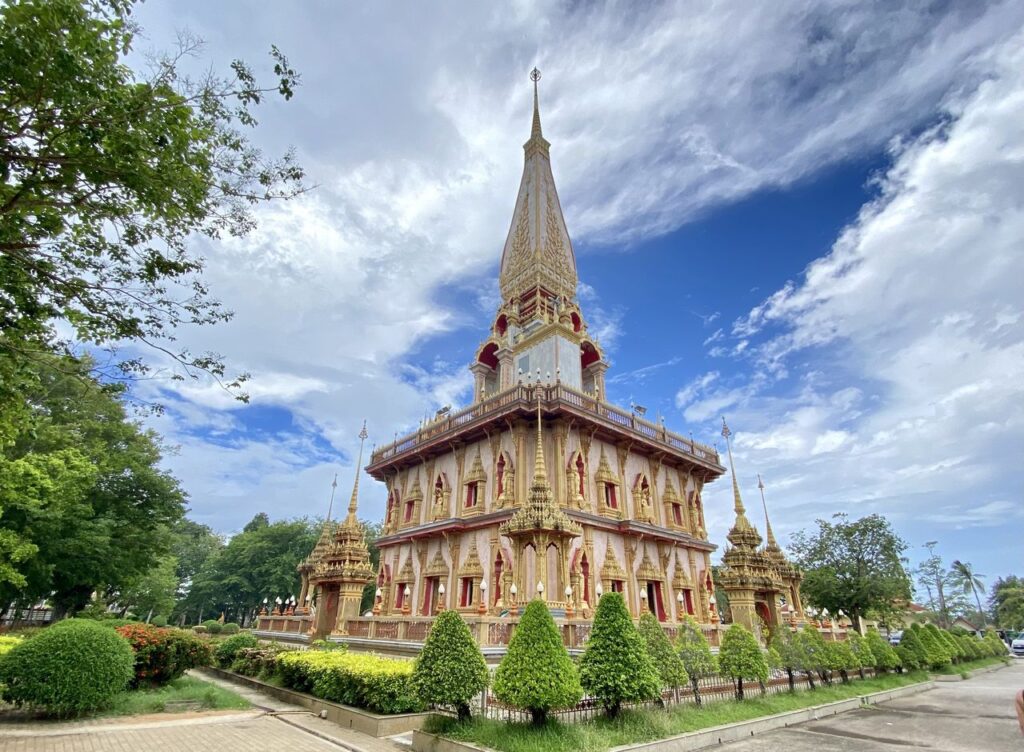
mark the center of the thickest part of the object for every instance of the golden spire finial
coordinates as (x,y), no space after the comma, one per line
(737,501)
(772,543)
(540,475)
(535,132)
(330,507)
(353,502)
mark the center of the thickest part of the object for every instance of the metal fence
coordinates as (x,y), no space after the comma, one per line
(712,689)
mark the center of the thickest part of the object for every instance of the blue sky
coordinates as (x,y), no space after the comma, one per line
(808,220)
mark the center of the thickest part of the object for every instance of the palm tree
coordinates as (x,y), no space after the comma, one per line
(970,581)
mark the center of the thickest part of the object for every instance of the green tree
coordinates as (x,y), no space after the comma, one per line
(912,652)
(790,651)
(937,656)
(840,658)
(970,583)
(255,564)
(108,175)
(854,566)
(740,657)
(696,655)
(884,654)
(669,665)
(450,669)
(813,651)
(615,666)
(861,651)
(83,484)
(153,592)
(1006,602)
(537,673)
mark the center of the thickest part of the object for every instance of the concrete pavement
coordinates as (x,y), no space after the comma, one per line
(967,716)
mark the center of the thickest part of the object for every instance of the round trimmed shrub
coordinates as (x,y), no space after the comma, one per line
(740,657)
(213,626)
(226,651)
(615,667)
(158,621)
(200,629)
(884,654)
(450,669)
(70,668)
(537,673)
(230,628)
(162,655)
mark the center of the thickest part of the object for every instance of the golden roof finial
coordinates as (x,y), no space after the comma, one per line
(540,475)
(354,501)
(772,543)
(330,506)
(535,132)
(737,501)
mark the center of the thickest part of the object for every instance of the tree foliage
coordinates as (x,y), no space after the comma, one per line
(854,566)
(108,174)
(669,665)
(537,673)
(615,667)
(912,652)
(450,669)
(695,653)
(884,654)
(81,491)
(1006,602)
(740,657)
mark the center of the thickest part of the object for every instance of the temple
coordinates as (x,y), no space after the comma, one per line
(539,488)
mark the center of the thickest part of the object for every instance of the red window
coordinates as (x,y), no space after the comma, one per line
(408,511)
(400,595)
(609,496)
(581,472)
(618,586)
(466,592)
(501,474)
(677,514)
(471,494)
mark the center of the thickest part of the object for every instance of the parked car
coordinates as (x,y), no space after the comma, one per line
(1017,647)
(895,637)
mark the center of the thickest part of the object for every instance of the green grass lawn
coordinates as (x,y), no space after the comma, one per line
(962,668)
(646,725)
(185,689)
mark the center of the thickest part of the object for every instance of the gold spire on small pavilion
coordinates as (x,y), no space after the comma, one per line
(353,503)
(540,474)
(742,533)
(772,545)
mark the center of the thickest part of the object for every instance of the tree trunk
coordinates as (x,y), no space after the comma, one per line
(763,686)
(739,689)
(463,711)
(613,710)
(539,716)
(792,684)
(696,690)
(984,623)
(149,616)
(810,678)
(846,677)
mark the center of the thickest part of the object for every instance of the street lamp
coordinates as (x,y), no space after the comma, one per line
(540,588)
(483,597)
(440,598)
(643,600)
(599,590)
(568,601)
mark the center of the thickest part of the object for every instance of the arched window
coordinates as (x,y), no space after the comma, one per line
(498,567)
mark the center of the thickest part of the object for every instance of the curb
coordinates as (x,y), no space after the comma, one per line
(970,674)
(694,740)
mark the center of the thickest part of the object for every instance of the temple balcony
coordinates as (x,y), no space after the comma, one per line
(614,423)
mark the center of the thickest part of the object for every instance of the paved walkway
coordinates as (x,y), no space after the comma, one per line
(271,725)
(969,716)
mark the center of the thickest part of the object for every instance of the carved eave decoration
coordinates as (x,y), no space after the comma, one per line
(471,567)
(416,492)
(680,578)
(647,571)
(405,574)
(604,471)
(437,567)
(476,472)
(611,569)
(669,495)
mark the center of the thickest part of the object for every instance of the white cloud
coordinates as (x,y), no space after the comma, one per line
(411,127)
(918,305)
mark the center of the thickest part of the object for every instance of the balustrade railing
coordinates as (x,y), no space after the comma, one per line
(527,394)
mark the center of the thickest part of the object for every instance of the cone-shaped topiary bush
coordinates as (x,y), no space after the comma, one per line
(911,651)
(946,639)
(615,666)
(740,657)
(73,667)
(935,650)
(996,647)
(667,662)
(450,669)
(884,654)
(537,673)
(696,655)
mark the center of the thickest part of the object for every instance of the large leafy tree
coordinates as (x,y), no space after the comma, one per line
(107,174)
(1006,602)
(854,566)
(259,562)
(82,490)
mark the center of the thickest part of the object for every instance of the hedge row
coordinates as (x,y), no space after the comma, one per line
(381,685)
(162,655)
